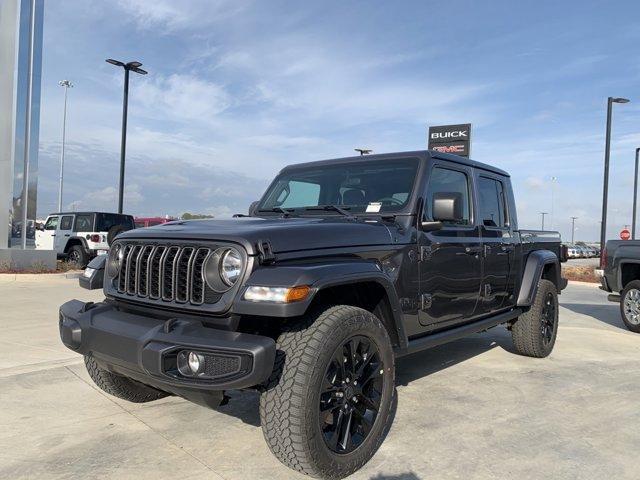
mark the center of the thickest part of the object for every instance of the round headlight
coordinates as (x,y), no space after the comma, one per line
(222,269)
(230,267)
(114,262)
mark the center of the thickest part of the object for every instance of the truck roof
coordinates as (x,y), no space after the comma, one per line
(422,154)
(87,213)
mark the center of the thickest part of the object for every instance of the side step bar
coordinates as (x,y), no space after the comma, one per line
(435,339)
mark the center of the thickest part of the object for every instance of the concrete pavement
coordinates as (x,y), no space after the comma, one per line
(468,410)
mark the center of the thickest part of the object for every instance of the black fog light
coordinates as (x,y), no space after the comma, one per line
(207,365)
(191,364)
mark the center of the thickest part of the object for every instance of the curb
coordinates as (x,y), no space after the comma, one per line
(589,284)
(15,277)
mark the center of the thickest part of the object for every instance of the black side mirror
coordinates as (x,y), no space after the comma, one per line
(253,207)
(447,206)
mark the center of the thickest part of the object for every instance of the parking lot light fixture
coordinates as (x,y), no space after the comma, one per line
(67,85)
(133,66)
(605,188)
(573,228)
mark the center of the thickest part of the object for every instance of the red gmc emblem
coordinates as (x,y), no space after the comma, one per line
(450,149)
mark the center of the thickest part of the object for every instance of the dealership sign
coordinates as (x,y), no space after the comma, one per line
(454,139)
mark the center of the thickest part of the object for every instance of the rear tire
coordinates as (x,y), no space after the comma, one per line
(316,417)
(119,386)
(630,306)
(78,255)
(534,332)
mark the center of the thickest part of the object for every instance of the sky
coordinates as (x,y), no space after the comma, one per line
(238,89)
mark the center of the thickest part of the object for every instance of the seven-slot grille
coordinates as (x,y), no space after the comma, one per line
(167,272)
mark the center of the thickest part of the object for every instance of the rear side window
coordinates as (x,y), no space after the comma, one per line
(84,223)
(52,223)
(66,222)
(445,180)
(491,203)
(105,221)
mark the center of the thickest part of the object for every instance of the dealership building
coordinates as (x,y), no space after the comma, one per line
(20,72)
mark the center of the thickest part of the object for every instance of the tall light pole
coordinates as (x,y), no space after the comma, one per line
(67,85)
(543,214)
(573,228)
(635,197)
(605,188)
(135,67)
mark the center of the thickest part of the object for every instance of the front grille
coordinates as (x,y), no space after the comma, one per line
(169,272)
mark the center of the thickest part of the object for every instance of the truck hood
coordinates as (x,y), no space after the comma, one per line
(285,234)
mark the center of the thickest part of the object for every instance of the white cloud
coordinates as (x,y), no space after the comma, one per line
(183,97)
(165,16)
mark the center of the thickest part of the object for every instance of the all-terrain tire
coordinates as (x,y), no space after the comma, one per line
(530,337)
(630,305)
(290,405)
(78,255)
(119,386)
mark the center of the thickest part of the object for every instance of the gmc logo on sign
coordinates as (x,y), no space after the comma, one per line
(454,139)
(457,149)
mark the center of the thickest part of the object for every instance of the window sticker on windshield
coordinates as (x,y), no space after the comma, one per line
(373,207)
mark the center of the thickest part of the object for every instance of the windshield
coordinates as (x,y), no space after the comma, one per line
(379,186)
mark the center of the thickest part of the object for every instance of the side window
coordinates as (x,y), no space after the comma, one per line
(52,223)
(299,194)
(444,180)
(491,203)
(83,223)
(66,222)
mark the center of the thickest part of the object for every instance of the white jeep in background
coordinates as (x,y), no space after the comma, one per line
(80,236)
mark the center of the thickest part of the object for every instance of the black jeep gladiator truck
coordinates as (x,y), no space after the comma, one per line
(620,276)
(341,267)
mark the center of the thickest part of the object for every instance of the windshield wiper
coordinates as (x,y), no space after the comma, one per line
(284,212)
(334,208)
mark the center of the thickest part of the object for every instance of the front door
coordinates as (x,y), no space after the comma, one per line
(450,266)
(45,238)
(498,287)
(65,227)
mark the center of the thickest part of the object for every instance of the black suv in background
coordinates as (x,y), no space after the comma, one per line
(340,268)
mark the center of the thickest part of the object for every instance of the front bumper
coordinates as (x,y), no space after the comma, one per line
(144,348)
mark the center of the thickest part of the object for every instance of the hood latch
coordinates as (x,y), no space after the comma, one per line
(265,252)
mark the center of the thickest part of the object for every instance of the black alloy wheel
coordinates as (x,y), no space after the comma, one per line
(548,319)
(351,394)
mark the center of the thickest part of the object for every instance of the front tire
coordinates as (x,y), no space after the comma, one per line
(630,306)
(330,400)
(534,332)
(119,386)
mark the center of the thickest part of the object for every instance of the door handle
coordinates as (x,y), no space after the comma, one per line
(67,234)
(470,251)
(506,249)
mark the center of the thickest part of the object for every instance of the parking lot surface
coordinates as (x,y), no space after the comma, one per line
(468,410)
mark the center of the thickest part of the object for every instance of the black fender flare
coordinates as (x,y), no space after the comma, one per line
(537,260)
(318,276)
(83,242)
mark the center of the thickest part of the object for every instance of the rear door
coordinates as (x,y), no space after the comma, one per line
(498,243)
(450,266)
